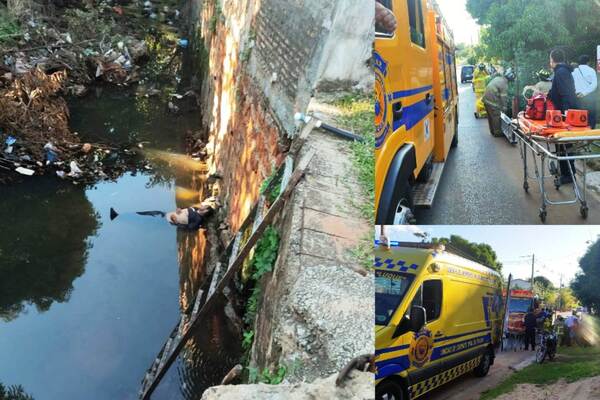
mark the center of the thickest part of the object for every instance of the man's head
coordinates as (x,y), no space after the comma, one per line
(557,56)
(178,217)
(481,66)
(584,60)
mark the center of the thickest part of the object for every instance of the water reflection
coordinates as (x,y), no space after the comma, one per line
(207,357)
(33,228)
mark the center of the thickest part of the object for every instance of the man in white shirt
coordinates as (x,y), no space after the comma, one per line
(586,83)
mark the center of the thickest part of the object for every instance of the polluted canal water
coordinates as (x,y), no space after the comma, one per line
(85,302)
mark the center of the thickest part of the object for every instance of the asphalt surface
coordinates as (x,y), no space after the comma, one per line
(469,387)
(482,182)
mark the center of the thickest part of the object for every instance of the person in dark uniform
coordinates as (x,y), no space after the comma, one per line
(530,325)
(564,97)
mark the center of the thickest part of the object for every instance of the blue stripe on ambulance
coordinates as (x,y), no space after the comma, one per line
(413,114)
(486,303)
(391,349)
(401,363)
(406,93)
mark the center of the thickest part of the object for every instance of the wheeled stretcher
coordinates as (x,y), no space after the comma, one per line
(548,147)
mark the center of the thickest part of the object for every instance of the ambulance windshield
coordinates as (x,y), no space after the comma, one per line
(390,289)
(519,305)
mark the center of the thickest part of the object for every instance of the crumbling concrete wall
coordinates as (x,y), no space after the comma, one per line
(264,61)
(359,386)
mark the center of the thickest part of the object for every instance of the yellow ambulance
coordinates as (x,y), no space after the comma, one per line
(438,316)
(416,108)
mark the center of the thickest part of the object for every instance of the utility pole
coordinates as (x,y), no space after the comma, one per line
(532,276)
(560,293)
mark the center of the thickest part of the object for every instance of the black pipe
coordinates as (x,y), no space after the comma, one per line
(341,132)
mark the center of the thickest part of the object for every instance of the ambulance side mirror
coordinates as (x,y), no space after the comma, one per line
(417,318)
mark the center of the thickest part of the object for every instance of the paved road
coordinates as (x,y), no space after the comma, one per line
(470,387)
(482,182)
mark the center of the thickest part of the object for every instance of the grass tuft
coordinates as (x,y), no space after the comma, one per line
(358,116)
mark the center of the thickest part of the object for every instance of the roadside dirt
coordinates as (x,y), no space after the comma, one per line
(585,389)
(470,387)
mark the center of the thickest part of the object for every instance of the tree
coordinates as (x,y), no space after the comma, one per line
(480,252)
(565,300)
(15,392)
(545,290)
(587,281)
(524,32)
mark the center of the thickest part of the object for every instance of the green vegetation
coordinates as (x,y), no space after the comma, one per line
(586,283)
(217,14)
(363,252)
(15,392)
(271,187)
(523,32)
(571,364)
(262,262)
(357,116)
(10,28)
(480,252)
(267,376)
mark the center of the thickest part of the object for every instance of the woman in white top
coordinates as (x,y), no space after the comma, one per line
(586,85)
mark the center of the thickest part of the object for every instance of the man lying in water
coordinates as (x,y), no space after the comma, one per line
(193,217)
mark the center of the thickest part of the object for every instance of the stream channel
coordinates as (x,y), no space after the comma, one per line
(85,302)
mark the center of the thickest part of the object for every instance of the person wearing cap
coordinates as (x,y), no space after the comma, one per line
(495,100)
(586,85)
(542,87)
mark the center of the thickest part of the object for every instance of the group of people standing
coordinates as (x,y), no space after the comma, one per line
(568,86)
(541,320)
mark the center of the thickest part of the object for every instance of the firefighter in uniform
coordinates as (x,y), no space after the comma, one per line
(495,100)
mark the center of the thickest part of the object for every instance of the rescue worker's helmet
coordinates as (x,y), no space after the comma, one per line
(544,75)
(509,74)
(481,67)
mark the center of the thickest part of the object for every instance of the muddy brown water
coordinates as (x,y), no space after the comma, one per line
(86,302)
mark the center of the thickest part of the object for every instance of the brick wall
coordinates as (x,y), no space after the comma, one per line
(265,59)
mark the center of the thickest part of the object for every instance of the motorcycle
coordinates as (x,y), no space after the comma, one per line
(547,347)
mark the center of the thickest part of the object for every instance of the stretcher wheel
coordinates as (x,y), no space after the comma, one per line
(584,211)
(526,186)
(543,215)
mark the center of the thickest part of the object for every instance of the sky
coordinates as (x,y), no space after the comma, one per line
(465,29)
(557,249)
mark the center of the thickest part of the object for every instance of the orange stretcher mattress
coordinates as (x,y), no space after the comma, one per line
(539,128)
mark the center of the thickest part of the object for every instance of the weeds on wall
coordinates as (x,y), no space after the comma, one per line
(271,187)
(262,262)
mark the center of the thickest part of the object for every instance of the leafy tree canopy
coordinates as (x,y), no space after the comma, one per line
(481,252)
(587,281)
(524,32)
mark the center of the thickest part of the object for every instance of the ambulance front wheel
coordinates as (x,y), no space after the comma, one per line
(389,390)
(484,365)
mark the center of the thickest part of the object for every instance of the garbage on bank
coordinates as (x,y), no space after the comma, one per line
(60,54)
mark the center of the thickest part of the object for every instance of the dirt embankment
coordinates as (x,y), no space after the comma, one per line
(585,389)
